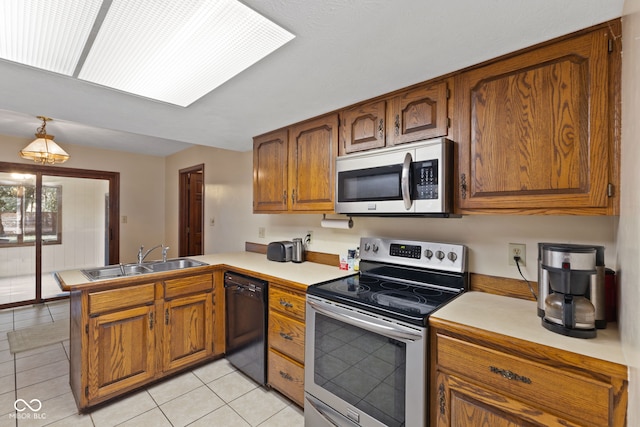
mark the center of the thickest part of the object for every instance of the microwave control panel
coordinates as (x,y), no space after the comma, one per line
(425,179)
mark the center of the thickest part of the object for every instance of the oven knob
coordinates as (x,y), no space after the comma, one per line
(440,255)
(452,256)
(428,253)
(367,246)
(375,248)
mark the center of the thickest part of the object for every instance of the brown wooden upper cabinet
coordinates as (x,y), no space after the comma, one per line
(270,171)
(294,168)
(535,129)
(413,115)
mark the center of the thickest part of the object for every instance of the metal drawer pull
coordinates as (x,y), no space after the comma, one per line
(285,303)
(286,336)
(286,376)
(510,375)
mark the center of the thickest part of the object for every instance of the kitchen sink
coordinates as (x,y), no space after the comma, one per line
(113,271)
(124,270)
(174,264)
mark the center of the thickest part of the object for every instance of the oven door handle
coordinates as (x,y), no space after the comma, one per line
(398,332)
(404,181)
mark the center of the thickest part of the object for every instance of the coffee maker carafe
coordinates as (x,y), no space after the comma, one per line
(571,288)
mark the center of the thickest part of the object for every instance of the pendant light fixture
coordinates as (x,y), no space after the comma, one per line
(43,149)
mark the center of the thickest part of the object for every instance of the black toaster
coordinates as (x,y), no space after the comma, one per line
(280,251)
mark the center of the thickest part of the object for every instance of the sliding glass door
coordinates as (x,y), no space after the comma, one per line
(17,237)
(53,219)
(75,226)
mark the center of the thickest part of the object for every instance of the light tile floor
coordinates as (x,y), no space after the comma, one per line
(215,394)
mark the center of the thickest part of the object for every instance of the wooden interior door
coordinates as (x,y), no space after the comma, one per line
(191,210)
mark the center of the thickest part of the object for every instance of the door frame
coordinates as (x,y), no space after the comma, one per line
(183,206)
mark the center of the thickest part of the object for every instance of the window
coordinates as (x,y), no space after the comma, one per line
(18,214)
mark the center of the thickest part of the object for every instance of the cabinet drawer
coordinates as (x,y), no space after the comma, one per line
(570,395)
(187,285)
(116,299)
(287,376)
(290,303)
(287,336)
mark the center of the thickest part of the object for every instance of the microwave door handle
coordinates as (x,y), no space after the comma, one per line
(404,181)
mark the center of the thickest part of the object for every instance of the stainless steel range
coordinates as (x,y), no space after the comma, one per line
(366,350)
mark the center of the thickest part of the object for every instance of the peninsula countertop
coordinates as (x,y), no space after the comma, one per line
(304,274)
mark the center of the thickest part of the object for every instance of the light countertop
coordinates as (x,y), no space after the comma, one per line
(518,318)
(305,273)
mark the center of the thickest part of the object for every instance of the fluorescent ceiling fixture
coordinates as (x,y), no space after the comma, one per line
(168,50)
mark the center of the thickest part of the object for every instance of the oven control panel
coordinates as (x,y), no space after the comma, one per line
(433,255)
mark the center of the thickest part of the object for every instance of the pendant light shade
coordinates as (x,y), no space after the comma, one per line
(43,149)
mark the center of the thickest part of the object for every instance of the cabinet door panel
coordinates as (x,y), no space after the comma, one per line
(312,154)
(534,128)
(470,405)
(287,302)
(188,330)
(287,336)
(121,350)
(270,172)
(418,114)
(363,127)
(287,376)
(540,385)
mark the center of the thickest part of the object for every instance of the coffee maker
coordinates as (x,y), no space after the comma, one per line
(571,288)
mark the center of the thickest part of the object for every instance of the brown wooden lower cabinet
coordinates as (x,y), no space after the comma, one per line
(287,376)
(125,337)
(121,351)
(286,341)
(485,379)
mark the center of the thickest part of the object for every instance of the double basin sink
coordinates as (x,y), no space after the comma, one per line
(125,270)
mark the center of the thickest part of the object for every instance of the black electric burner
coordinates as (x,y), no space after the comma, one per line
(408,289)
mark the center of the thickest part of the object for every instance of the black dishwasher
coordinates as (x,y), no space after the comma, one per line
(246,320)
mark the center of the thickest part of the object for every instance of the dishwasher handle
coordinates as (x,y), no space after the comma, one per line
(244,285)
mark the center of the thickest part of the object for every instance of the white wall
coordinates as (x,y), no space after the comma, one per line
(227,197)
(142,188)
(629,230)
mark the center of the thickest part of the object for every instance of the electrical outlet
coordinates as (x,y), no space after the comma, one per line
(518,249)
(308,237)
(261,232)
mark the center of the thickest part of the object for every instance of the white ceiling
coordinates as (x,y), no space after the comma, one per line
(345,51)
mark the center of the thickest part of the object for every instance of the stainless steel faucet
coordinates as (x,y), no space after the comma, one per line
(164,253)
(142,256)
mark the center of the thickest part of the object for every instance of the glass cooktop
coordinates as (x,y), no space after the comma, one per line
(410,302)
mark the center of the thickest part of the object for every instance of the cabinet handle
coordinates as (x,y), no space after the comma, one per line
(397,126)
(381,128)
(293,195)
(285,303)
(286,336)
(284,197)
(463,186)
(510,375)
(441,398)
(166,316)
(151,320)
(286,376)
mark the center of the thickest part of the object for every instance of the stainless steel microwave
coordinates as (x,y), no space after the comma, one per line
(411,179)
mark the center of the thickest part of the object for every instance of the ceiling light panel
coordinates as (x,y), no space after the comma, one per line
(178,51)
(46,34)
